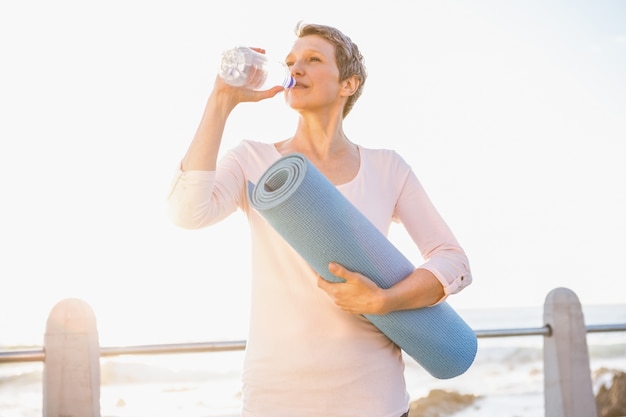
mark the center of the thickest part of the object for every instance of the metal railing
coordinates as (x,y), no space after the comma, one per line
(38,355)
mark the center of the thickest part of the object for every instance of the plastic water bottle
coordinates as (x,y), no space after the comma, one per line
(245,67)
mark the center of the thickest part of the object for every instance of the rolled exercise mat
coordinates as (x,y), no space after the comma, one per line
(323,226)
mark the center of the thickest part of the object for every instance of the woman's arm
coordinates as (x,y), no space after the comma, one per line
(203,150)
(192,197)
(445,270)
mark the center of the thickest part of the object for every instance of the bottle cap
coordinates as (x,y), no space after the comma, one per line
(289,82)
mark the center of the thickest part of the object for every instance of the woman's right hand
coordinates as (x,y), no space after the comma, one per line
(242,94)
(238,95)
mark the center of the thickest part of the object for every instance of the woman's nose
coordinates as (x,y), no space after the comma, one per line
(295,69)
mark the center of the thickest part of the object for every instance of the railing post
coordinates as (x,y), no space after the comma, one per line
(72,362)
(568,390)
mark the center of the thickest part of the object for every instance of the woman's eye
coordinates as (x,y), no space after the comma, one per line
(310,59)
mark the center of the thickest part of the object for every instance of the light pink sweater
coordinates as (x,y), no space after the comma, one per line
(305,357)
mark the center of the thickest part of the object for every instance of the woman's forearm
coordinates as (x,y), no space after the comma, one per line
(420,289)
(203,150)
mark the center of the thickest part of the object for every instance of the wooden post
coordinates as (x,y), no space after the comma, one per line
(568,391)
(72,362)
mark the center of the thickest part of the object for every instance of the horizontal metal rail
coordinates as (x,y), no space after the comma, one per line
(530,331)
(38,355)
(34,355)
(174,348)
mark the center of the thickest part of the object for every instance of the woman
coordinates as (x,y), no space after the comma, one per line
(310,352)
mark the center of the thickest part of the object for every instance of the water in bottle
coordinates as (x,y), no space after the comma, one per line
(245,67)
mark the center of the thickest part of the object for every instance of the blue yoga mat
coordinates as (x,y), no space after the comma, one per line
(323,226)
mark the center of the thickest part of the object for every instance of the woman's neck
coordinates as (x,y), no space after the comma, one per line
(318,138)
(326,147)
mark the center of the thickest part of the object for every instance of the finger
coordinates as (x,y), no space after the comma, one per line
(323,283)
(339,271)
(328,286)
(274,90)
(258,95)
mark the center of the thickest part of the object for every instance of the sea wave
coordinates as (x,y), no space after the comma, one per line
(20,373)
(114,372)
(609,351)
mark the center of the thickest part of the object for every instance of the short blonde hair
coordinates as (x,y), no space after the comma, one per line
(347,54)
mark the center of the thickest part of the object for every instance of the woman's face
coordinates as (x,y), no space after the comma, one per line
(313,65)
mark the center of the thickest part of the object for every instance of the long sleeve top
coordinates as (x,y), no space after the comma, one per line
(305,357)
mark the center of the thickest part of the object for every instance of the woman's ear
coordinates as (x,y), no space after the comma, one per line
(350,85)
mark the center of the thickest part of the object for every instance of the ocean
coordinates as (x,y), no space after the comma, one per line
(506,378)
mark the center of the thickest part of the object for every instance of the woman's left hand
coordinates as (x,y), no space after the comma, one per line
(357,295)
(360,295)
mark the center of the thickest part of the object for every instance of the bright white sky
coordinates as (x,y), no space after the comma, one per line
(512,114)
